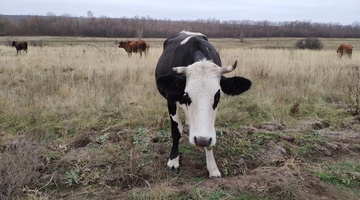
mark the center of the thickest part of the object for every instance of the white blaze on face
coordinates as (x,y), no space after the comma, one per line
(202,84)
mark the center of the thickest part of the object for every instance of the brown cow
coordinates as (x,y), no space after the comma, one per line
(20,46)
(345,49)
(134,47)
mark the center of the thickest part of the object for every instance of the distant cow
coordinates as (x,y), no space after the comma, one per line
(189,75)
(345,49)
(20,46)
(138,46)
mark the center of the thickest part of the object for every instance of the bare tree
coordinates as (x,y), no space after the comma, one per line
(140,27)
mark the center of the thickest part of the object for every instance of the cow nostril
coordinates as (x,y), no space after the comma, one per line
(202,141)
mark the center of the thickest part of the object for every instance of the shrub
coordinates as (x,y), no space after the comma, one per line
(37,43)
(309,43)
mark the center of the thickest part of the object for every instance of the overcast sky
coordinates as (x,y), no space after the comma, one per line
(324,11)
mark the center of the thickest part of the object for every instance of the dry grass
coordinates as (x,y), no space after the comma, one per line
(60,94)
(73,80)
(99,78)
(314,81)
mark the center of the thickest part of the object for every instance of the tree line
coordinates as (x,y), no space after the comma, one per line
(147,27)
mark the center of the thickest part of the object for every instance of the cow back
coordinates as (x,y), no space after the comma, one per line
(184,50)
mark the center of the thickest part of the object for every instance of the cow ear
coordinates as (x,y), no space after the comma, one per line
(234,85)
(171,84)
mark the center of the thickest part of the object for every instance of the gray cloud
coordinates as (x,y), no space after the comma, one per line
(323,11)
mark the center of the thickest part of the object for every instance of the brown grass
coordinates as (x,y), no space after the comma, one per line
(100,78)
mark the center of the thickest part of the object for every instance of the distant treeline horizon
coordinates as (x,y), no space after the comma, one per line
(147,27)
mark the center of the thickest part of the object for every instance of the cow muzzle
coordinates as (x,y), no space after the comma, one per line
(202,141)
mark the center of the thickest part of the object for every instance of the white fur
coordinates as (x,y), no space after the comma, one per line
(185,40)
(177,119)
(190,35)
(174,163)
(202,83)
(211,164)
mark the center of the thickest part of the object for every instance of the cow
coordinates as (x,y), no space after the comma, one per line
(134,47)
(20,46)
(189,75)
(344,49)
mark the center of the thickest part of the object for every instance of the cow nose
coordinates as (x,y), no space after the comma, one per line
(202,141)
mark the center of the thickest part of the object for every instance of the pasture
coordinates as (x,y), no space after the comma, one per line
(79,119)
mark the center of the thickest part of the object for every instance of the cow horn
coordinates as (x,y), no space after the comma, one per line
(228,69)
(180,70)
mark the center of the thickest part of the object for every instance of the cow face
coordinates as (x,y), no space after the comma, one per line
(199,96)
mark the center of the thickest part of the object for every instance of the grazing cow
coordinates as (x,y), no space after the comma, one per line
(189,76)
(20,46)
(134,47)
(345,49)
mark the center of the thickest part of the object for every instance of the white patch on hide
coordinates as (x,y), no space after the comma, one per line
(185,40)
(174,163)
(176,118)
(190,35)
(193,33)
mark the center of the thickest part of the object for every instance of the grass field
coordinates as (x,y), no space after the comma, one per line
(79,119)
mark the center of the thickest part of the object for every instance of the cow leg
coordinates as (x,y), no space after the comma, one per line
(176,130)
(211,164)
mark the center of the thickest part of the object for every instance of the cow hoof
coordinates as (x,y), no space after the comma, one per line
(174,170)
(215,177)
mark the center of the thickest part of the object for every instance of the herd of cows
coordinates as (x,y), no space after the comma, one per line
(137,46)
(189,75)
(140,46)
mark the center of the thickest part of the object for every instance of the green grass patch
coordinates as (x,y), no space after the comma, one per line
(346,174)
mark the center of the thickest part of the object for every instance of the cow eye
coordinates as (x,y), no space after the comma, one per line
(216,99)
(185,99)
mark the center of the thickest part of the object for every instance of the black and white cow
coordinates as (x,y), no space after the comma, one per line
(189,76)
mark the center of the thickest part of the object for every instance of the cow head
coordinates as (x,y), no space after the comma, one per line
(199,95)
(122,44)
(13,43)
